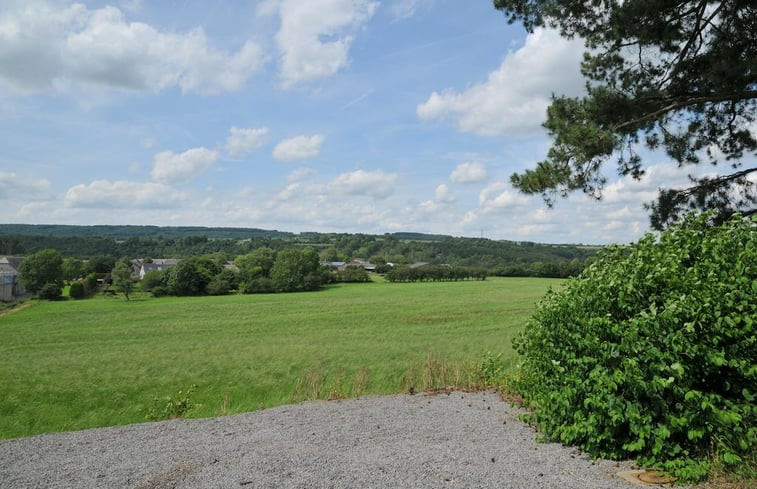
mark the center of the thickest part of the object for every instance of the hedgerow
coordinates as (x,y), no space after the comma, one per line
(651,353)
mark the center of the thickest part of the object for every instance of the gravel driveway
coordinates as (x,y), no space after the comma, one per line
(451,440)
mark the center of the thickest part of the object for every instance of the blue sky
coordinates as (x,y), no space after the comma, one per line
(319,115)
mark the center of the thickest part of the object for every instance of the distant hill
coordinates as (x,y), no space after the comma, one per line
(418,236)
(498,256)
(124,232)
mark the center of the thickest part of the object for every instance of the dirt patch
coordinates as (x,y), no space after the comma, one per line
(171,478)
(17,308)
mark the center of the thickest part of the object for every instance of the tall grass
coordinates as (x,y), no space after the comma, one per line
(79,364)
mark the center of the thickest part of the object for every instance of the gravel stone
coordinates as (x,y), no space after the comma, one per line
(448,440)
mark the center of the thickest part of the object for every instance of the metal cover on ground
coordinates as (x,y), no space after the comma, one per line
(645,477)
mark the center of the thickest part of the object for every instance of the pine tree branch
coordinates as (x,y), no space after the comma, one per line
(687,102)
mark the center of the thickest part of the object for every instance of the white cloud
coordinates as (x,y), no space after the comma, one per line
(123,195)
(429,206)
(514,98)
(626,190)
(377,184)
(470,172)
(315,36)
(300,174)
(403,9)
(170,167)
(288,192)
(242,141)
(45,46)
(498,196)
(443,194)
(298,148)
(13,186)
(35,209)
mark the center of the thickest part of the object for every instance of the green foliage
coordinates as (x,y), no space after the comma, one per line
(73,268)
(76,290)
(50,291)
(101,265)
(218,286)
(172,407)
(231,276)
(42,268)
(153,279)
(677,76)
(435,273)
(652,352)
(255,264)
(260,285)
(493,369)
(191,276)
(122,280)
(352,274)
(296,270)
(90,283)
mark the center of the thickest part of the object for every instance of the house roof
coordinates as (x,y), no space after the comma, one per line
(13,261)
(150,267)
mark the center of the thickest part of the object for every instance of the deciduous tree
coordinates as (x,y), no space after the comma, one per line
(122,279)
(296,270)
(41,268)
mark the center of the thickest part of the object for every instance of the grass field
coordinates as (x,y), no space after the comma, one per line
(79,364)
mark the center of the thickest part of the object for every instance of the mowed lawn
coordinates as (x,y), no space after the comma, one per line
(72,365)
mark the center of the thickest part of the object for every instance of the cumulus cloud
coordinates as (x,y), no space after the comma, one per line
(123,195)
(498,196)
(470,172)
(429,206)
(315,36)
(171,167)
(377,184)
(514,98)
(298,148)
(13,186)
(443,194)
(242,141)
(627,190)
(288,192)
(45,46)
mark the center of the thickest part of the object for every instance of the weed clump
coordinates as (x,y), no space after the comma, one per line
(171,407)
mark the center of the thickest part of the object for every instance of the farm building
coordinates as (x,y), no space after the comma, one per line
(10,285)
(159,264)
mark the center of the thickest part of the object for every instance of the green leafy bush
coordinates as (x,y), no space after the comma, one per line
(50,291)
(90,284)
(651,353)
(218,286)
(76,291)
(260,285)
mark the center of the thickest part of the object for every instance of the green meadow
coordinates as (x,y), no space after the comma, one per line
(104,361)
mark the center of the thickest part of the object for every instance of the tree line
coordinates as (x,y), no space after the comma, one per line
(435,273)
(263,270)
(500,257)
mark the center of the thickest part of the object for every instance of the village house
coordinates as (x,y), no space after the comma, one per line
(10,285)
(141,266)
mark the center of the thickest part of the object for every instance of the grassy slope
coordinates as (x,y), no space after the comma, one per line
(79,364)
